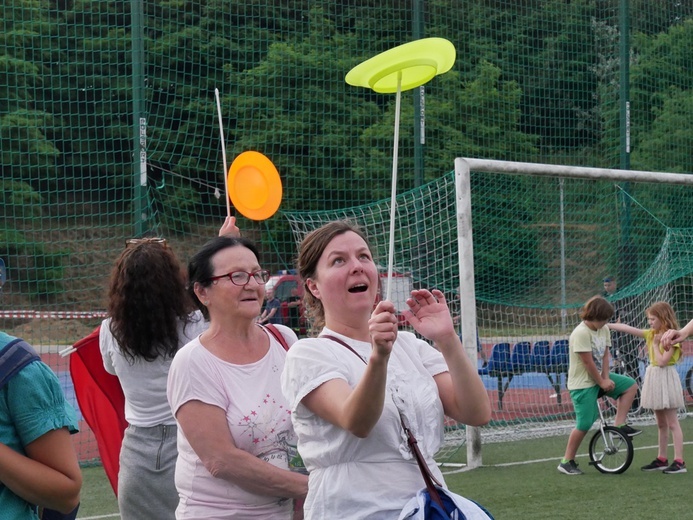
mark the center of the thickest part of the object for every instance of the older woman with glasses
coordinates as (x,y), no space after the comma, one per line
(151,316)
(235,438)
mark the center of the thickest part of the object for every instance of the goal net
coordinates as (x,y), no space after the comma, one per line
(544,239)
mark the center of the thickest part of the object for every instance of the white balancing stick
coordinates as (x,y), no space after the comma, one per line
(393,195)
(223,154)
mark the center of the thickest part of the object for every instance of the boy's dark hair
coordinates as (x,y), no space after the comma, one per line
(597,309)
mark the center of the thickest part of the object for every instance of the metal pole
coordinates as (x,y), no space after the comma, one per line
(576,172)
(417,31)
(463,196)
(139,120)
(627,252)
(624,84)
(563,277)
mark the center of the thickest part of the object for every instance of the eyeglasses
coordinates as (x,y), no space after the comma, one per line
(241,278)
(146,240)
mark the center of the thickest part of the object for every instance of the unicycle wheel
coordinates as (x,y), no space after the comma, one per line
(611,451)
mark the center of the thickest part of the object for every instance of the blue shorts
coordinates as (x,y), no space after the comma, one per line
(585,400)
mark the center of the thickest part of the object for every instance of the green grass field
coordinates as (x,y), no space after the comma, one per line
(519,480)
(98,499)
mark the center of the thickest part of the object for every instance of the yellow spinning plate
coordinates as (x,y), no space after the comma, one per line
(416,61)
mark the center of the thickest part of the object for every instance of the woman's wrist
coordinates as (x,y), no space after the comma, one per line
(378,358)
(449,340)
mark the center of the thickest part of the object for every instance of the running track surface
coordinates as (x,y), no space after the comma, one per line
(529,394)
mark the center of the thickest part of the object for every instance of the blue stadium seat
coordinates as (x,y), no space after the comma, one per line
(521,357)
(498,361)
(504,363)
(560,356)
(540,356)
(559,360)
(500,367)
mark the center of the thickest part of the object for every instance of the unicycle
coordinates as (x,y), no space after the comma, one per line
(611,450)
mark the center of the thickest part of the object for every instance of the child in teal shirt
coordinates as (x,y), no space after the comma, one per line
(38,464)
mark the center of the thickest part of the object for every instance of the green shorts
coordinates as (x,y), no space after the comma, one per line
(585,400)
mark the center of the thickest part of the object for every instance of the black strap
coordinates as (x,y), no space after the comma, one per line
(430,480)
(13,357)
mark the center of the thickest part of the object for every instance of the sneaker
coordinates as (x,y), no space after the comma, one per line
(629,430)
(656,465)
(569,468)
(676,467)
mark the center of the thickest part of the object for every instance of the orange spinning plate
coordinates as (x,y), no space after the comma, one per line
(416,61)
(255,188)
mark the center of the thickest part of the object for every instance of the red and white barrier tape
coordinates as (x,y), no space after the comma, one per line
(52,315)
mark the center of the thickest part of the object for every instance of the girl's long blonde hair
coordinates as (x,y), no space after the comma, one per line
(664,313)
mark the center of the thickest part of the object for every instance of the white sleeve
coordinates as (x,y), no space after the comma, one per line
(193,378)
(312,362)
(192,329)
(431,358)
(107,346)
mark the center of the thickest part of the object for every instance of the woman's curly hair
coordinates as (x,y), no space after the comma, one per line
(147,300)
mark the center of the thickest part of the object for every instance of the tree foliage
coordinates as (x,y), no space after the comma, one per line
(533,81)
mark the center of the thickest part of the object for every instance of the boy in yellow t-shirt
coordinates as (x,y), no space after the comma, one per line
(588,374)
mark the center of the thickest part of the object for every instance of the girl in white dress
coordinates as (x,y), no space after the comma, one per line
(661,390)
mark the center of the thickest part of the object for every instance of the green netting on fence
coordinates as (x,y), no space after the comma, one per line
(109,129)
(542,247)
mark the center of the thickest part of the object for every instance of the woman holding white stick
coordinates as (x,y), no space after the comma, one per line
(347,387)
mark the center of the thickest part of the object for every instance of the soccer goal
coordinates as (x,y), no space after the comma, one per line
(518,248)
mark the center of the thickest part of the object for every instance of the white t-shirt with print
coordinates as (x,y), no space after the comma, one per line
(259,420)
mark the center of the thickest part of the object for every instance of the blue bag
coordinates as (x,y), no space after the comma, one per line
(454,507)
(434,502)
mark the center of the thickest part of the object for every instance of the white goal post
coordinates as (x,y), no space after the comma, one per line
(463,169)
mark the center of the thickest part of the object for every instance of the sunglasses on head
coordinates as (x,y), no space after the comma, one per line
(146,240)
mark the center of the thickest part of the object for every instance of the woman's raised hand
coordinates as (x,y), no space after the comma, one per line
(670,338)
(429,314)
(229,228)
